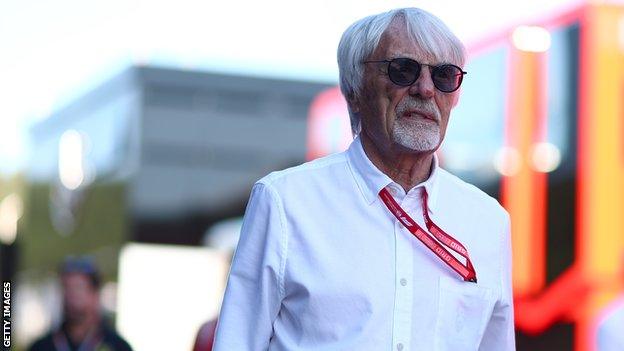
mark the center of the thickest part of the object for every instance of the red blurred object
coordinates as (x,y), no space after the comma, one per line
(205,336)
(558,302)
(328,124)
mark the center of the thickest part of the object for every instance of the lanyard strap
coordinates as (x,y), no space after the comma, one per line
(467,271)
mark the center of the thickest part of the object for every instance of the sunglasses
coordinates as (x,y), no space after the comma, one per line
(404,72)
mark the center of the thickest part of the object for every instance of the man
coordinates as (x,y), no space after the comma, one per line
(376,248)
(83,328)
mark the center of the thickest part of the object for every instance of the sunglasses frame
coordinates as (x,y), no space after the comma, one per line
(433,69)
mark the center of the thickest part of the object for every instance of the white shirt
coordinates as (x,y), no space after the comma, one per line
(323,265)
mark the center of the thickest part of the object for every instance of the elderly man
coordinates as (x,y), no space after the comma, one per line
(376,248)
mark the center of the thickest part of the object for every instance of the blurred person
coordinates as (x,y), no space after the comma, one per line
(376,248)
(83,327)
(204,339)
(224,238)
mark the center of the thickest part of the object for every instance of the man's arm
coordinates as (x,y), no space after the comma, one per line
(255,285)
(499,333)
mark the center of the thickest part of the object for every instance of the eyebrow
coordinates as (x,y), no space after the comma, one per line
(438,63)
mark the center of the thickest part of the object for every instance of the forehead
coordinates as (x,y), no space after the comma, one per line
(75,279)
(397,41)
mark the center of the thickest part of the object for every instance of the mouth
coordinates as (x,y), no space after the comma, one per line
(419,115)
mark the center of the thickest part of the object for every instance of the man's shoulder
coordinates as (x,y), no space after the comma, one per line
(44,343)
(317,170)
(470,194)
(114,340)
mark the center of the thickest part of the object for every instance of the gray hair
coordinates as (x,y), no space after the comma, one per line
(361,39)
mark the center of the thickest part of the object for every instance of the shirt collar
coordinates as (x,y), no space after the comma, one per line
(371,180)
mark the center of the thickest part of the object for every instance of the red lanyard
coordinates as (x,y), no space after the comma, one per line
(466,271)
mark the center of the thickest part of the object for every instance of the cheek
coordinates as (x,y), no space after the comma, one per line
(393,98)
(446,103)
(384,98)
(380,106)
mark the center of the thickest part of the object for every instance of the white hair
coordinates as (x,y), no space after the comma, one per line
(361,39)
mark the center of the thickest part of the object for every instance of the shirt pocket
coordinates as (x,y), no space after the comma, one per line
(464,310)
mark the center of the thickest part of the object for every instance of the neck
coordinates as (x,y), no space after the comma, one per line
(406,168)
(78,332)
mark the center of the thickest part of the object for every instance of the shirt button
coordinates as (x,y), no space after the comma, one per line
(399,346)
(403,281)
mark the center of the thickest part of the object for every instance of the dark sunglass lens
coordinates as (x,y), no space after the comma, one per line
(403,71)
(447,78)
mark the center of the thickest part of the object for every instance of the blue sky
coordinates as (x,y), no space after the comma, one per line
(52,51)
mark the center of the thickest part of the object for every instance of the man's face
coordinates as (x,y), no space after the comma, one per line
(413,118)
(80,298)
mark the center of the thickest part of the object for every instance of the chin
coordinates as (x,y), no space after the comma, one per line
(418,143)
(417,136)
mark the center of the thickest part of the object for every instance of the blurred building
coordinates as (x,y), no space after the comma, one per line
(157,155)
(152,155)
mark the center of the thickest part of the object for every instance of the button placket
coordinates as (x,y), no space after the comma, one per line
(404,295)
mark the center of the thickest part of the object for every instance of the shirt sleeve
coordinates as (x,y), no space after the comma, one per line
(254,290)
(499,333)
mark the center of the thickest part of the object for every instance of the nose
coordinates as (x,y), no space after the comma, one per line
(423,86)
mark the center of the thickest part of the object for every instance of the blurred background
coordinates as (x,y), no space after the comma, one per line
(131,131)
